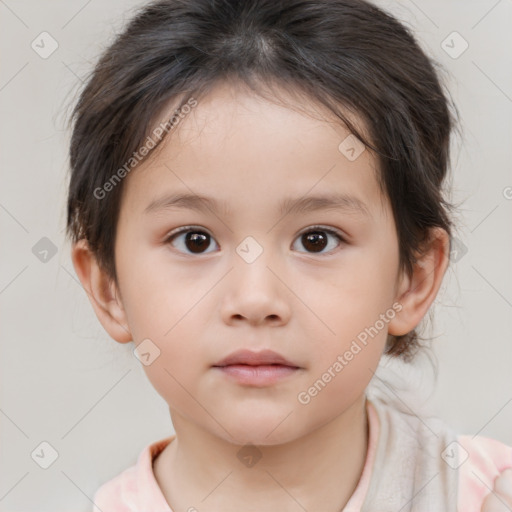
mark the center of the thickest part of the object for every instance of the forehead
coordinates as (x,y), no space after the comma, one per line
(236,149)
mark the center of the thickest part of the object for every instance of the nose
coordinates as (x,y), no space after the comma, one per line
(255,293)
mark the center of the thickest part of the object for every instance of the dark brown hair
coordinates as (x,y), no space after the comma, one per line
(344,54)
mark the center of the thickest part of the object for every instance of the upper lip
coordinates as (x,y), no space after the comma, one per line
(252,358)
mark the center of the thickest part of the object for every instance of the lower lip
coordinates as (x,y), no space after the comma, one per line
(261,375)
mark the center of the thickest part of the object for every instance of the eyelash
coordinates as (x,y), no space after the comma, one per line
(187,229)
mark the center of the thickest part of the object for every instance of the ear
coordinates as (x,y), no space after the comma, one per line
(417,292)
(102,292)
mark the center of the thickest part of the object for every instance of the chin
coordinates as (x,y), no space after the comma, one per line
(260,432)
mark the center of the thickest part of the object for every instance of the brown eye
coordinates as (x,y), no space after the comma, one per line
(194,241)
(316,239)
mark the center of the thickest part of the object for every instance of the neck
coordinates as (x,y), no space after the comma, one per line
(319,471)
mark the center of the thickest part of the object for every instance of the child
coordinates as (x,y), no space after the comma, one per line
(305,145)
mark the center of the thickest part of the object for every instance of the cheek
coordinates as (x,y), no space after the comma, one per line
(164,306)
(343,361)
(352,307)
(176,382)
(156,294)
(354,295)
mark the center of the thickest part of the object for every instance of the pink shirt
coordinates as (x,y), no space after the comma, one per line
(136,489)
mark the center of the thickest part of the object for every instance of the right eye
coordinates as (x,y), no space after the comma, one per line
(196,240)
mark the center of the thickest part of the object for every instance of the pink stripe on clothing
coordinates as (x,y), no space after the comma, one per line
(487,458)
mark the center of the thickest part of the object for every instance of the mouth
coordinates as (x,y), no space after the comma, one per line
(251,358)
(256,369)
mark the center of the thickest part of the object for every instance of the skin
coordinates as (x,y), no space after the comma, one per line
(198,308)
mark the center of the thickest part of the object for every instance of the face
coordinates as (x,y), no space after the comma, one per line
(314,283)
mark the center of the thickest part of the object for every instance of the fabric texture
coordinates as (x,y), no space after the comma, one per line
(412,464)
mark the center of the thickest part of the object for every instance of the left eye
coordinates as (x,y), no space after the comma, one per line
(317,238)
(197,241)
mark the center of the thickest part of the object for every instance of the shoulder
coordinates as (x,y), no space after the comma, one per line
(481,460)
(117,494)
(426,450)
(134,488)
(408,462)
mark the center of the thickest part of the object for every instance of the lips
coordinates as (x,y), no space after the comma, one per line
(257,369)
(250,358)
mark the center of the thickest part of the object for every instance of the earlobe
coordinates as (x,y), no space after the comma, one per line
(101,291)
(417,292)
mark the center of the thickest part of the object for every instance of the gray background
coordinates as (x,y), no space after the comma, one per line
(65,382)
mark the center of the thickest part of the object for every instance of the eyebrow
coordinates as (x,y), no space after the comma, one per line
(337,202)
